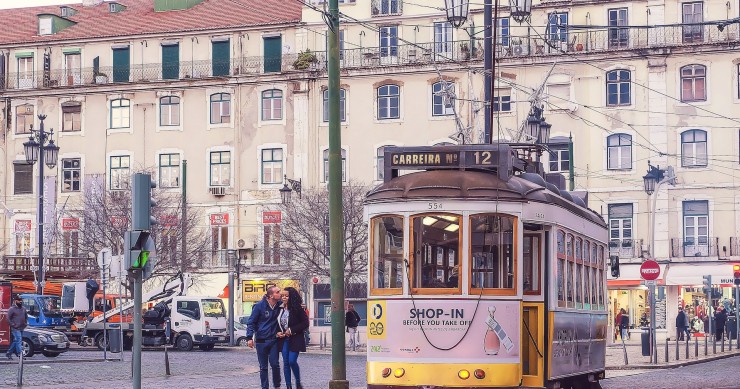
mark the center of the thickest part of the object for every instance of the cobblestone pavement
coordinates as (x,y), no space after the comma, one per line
(719,374)
(218,369)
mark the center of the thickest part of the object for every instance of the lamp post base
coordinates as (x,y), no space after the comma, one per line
(338,384)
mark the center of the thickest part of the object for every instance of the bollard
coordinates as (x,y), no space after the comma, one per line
(705,345)
(20,370)
(687,347)
(714,345)
(723,344)
(666,350)
(696,347)
(677,356)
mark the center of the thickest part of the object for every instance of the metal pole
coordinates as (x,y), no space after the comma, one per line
(696,347)
(706,349)
(42,141)
(737,317)
(666,351)
(336,230)
(136,360)
(687,347)
(571,168)
(487,69)
(231,301)
(105,320)
(120,303)
(183,235)
(677,353)
(654,340)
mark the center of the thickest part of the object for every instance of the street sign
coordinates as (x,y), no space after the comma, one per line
(649,283)
(649,270)
(104,257)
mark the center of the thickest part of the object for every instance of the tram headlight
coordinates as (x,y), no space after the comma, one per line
(479,374)
(463,374)
(398,373)
(386,372)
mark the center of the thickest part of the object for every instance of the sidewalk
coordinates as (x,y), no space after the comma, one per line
(615,354)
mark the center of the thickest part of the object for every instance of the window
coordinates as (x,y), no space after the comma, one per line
(618,88)
(492,252)
(25,72)
(271,241)
(389,102)
(389,41)
(694,148)
(70,241)
(120,172)
(620,229)
(558,96)
(692,13)
(436,255)
(387,253)
(618,37)
(220,57)
(170,61)
(273,53)
(72,69)
(559,158)
(569,284)
(619,152)
(46,26)
(120,111)
(220,168)
(380,163)
(696,228)
(272,166)
(342,105)
(502,100)
(693,83)
(272,104)
(557,27)
(341,43)
(71,174)
(71,116)
(220,108)
(326,165)
(532,264)
(219,238)
(169,170)
(561,268)
(169,111)
(443,38)
(387,7)
(22,178)
(442,98)
(22,234)
(121,64)
(502,32)
(23,119)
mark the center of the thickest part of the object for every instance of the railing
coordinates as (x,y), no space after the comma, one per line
(694,247)
(57,266)
(626,248)
(734,246)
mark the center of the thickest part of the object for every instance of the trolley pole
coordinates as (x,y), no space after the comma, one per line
(336,235)
(737,317)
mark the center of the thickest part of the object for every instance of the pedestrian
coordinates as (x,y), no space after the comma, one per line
(720,318)
(624,324)
(306,333)
(293,322)
(263,326)
(617,322)
(18,320)
(352,320)
(682,325)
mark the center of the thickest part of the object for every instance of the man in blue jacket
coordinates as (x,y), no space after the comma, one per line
(263,325)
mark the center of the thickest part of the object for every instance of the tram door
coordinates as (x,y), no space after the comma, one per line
(533,308)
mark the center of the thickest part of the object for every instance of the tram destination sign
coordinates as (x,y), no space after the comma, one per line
(499,158)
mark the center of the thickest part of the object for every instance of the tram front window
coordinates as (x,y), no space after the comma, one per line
(436,251)
(387,252)
(492,250)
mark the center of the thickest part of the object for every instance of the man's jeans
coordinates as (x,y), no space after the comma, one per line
(16,347)
(352,331)
(268,352)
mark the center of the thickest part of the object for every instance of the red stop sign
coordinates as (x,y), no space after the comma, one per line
(650,270)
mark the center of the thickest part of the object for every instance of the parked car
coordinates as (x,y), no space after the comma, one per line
(49,342)
(240,333)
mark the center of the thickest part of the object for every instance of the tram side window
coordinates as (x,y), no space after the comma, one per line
(492,250)
(601,277)
(561,268)
(571,271)
(532,260)
(436,240)
(579,273)
(595,275)
(387,252)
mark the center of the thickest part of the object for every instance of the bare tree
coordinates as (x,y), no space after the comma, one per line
(305,233)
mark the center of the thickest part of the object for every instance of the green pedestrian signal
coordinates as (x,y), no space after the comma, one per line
(140,250)
(141,260)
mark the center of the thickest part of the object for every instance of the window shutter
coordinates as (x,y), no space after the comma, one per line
(273,53)
(22,178)
(221,58)
(121,64)
(171,62)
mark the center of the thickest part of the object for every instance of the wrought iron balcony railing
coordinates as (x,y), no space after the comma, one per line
(58,267)
(694,247)
(626,248)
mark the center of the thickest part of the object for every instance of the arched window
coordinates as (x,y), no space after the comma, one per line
(619,152)
(120,113)
(618,88)
(389,102)
(272,104)
(693,83)
(342,106)
(326,165)
(220,108)
(694,148)
(169,111)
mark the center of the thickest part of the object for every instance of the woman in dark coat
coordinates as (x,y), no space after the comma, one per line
(293,322)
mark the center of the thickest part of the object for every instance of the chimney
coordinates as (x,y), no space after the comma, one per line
(91,3)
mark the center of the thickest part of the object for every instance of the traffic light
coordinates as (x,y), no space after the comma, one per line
(707,284)
(736,273)
(614,264)
(142,202)
(139,249)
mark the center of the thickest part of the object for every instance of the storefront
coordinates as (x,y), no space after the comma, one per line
(253,290)
(628,292)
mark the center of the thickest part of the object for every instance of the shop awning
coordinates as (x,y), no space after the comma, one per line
(690,274)
(629,275)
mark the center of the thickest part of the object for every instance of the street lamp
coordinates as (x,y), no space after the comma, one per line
(537,128)
(286,191)
(652,181)
(40,147)
(457,11)
(521,10)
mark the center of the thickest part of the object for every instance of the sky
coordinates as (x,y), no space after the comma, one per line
(32,3)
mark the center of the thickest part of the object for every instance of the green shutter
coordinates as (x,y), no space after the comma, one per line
(171,62)
(24,54)
(221,58)
(121,64)
(72,51)
(273,53)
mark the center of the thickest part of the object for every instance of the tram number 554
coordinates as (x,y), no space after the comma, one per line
(434,206)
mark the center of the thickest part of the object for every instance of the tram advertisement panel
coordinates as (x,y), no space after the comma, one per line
(578,343)
(427,330)
(5,301)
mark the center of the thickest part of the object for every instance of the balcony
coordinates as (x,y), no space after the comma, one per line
(626,248)
(734,246)
(58,267)
(691,248)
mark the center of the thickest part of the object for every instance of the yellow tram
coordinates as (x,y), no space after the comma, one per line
(482,275)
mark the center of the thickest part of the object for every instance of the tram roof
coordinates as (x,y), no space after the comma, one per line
(473,185)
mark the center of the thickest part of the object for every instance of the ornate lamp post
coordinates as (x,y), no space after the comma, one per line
(40,147)
(286,191)
(457,11)
(652,181)
(521,10)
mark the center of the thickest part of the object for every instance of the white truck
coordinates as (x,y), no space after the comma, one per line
(194,320)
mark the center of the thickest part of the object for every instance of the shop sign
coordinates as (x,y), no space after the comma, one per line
(119,221)
(219,219)
(272,217)
(70,223)
(254,290)
(22,225)
(169,220)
